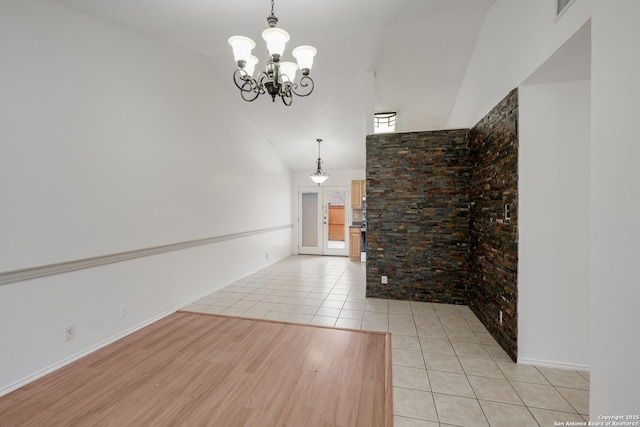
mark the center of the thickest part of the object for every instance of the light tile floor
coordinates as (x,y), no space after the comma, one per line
(447,369)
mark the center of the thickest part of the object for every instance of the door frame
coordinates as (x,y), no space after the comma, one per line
(323,221)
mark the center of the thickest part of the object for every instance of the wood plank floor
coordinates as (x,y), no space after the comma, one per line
(207,370)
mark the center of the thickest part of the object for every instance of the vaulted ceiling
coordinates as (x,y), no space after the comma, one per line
(408,56)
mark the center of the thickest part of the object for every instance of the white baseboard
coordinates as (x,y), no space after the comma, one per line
(554,364)
(41,373)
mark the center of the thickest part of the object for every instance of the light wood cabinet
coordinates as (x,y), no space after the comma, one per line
(354,243)
(357,193)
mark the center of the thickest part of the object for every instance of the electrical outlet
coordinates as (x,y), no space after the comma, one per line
(123,310)
(500,318)
(69,333)
(384,280)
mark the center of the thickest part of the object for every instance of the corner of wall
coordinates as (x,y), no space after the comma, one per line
(493,238)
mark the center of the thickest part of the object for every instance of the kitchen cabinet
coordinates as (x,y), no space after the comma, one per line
(357,193)
(354,243)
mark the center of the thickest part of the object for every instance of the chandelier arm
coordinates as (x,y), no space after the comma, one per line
(240,78)
(250,89)
(287,99)
(262,78)
(305,82)
(286,89)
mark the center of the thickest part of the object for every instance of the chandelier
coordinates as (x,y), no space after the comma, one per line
(278,79)
(319,176)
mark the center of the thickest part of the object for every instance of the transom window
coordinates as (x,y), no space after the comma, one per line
(384,122)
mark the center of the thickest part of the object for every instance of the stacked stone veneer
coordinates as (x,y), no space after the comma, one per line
(435,216)
(493,242)
(417,216)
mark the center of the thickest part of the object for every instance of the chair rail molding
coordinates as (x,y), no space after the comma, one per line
(81,264)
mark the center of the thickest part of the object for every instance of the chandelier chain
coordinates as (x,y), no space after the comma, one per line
(272,7)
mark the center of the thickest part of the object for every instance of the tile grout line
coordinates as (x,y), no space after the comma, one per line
(433,399)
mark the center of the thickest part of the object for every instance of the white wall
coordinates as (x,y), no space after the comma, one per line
(615,203)
(339,178)
(33,313)
(516,38)
(113,141)
(554,224)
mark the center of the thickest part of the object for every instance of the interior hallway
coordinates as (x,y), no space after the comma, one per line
(447,369)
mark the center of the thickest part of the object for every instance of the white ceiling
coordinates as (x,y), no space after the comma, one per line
(418,50)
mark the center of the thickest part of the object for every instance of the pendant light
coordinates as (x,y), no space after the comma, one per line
(319,176)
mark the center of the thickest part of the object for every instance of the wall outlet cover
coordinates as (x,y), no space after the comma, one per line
(69,332)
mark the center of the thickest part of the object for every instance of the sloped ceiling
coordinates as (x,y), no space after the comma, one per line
(572,61)
(418,51)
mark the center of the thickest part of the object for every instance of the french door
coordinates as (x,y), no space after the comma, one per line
(323,221)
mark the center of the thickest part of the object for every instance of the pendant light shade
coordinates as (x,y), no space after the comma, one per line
(318,178)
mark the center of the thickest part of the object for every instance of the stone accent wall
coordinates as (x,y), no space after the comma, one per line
(493,243)
(435,217)
(417,216)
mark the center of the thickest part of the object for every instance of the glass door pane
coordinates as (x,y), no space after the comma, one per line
(310,226)
(310,219)
(336,207)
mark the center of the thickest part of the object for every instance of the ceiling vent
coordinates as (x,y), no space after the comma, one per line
(563,5)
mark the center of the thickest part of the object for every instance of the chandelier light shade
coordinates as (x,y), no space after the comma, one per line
(278,78)
(276,39)
(288,71)
(250,65)
(319,176)
(304,55)
(242,47)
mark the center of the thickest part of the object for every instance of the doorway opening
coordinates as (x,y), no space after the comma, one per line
(322,221)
